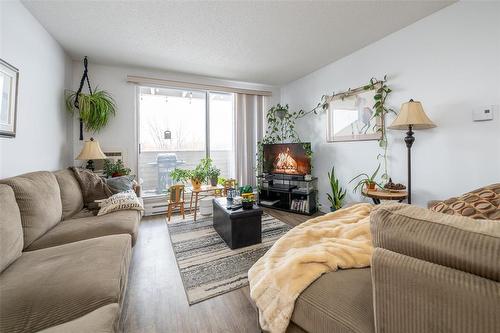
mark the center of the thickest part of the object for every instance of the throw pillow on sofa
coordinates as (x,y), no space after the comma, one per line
(121,184)
(483,203)
(93,187)
(121,201)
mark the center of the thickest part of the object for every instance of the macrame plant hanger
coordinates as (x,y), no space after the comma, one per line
(85,78)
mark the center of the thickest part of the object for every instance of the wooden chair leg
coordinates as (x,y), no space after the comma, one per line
(169,212)
(182,211)
(195,205)
(191,204)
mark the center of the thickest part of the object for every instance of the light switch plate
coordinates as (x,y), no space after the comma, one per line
(483,113)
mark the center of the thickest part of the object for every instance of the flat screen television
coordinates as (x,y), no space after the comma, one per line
(286,158)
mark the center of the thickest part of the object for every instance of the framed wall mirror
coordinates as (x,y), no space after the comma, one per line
(350,116)
(9,76)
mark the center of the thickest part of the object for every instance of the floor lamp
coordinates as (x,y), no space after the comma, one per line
(411,117)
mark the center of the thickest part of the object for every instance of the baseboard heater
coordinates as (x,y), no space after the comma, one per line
(157,207)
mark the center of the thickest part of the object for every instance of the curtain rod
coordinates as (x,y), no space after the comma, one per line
(181,84)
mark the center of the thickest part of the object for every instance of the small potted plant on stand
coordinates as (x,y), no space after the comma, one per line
(337,196)
(180,175)
(198,176)
(366,180)
(213,175)
(115,169)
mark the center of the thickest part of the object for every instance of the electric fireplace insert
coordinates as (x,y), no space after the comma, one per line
(286,158)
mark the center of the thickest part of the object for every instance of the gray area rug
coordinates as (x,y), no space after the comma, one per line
(208,267)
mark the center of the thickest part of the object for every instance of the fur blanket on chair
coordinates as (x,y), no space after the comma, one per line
(323,244)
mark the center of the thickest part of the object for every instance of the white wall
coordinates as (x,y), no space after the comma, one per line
(121,132)
(451,62)
(41,141)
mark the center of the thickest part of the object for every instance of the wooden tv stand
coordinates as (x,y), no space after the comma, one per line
(289,193)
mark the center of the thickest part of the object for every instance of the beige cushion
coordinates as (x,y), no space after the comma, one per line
(416,296)
(85,212)
(337,302)
(71,194)
(122,222)
(11,231)
(102,320)
(121,201)
(52,286)
(38,197)
(455,241)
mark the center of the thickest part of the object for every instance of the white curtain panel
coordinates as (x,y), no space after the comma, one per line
(249,128)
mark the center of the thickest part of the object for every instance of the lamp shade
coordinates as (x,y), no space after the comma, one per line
(91,151)
(413,114)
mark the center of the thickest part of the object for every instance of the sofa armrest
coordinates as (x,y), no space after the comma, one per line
(457,242)
(433,272)
(415,296)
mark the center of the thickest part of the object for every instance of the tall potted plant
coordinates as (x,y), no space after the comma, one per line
(337,196)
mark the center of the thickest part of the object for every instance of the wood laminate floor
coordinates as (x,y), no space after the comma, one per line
(155,300)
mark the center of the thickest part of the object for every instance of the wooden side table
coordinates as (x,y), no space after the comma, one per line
(203,191)
(377,195)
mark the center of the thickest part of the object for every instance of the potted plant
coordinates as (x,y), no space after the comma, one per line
(213,175)
(180,175)
(95,109)
(246,190)
(338,193)
(198,176)
(247,203)
(366,180)
(115,169)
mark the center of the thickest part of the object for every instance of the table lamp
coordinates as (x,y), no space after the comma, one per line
(91,151)
(411,117)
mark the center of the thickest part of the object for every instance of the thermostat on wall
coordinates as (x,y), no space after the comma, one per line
(484,113)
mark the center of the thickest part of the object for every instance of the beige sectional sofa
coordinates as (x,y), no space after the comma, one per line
(61,268)
(430,272)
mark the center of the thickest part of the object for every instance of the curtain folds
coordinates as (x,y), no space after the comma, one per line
(249,128)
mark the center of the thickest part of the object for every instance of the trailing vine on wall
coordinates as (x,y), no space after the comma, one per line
(281,122)
(381,110)
(281,129)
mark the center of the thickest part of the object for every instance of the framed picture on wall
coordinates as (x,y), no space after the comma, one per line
(9,77)
(350,116)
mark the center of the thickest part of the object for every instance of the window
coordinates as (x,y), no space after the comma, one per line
(221,118)
(174,133)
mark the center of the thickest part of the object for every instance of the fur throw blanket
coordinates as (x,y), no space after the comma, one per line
(93,187)
(336,240)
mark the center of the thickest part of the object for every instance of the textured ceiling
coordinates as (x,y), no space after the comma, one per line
(271,42)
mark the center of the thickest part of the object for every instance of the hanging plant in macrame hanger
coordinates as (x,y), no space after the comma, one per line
(94,108)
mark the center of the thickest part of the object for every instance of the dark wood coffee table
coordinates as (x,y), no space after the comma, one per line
(238,228)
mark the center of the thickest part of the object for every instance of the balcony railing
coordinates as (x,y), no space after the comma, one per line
(154,174)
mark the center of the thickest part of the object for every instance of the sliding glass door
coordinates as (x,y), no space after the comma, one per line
(221,132)
(173,132)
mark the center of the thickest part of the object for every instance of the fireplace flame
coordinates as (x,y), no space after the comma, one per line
(285,163)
